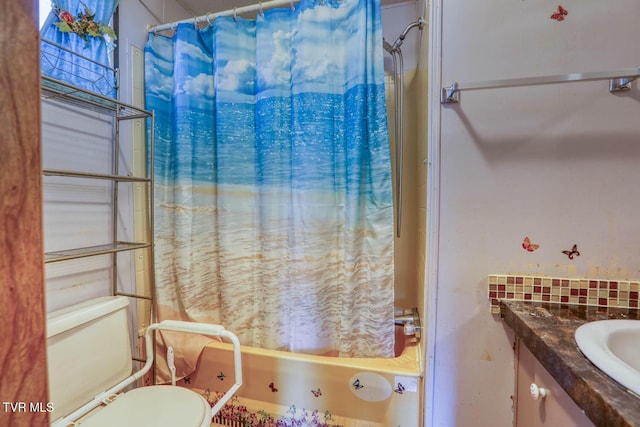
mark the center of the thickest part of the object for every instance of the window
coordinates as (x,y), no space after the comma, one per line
(71,53)
(45,8)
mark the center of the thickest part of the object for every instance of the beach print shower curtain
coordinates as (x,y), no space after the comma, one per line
(273,193)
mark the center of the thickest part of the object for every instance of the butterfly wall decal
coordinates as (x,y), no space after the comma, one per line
(221,376)
(356,385)
(560,14)
(316,393)
(573,252)
(399,389)
(528,246)
(272,387)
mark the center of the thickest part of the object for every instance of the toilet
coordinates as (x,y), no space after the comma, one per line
(90,365)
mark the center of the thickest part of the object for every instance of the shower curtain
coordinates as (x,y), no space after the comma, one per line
(273,192)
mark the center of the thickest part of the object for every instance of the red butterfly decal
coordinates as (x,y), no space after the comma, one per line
(273,388)
(572,252)
(560,14)
(527,245)
(316,393)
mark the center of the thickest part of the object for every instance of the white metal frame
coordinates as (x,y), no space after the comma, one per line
(166,325)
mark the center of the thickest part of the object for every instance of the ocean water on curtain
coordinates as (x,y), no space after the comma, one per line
(233,151)
(273,191)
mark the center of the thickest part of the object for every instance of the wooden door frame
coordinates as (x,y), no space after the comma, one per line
(23,364)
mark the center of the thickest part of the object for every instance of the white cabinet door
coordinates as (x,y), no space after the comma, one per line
(555,409)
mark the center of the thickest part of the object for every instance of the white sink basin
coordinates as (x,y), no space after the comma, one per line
(614,347)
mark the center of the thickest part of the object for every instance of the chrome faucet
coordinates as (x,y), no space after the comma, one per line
(410,319)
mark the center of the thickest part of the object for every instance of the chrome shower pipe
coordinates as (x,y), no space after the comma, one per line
(398,82)
(398,73)
(398,85)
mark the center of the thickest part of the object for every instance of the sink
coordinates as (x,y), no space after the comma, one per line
(614,347)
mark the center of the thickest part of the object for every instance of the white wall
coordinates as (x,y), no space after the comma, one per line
(556,163)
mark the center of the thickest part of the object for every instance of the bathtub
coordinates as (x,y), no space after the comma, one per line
(305,390)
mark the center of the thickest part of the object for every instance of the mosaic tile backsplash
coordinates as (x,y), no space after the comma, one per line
(602,293)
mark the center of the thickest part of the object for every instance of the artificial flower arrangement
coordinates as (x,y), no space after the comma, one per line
(83,25)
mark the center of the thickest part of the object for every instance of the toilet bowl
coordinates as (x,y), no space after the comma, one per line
(161,405)
(89,361)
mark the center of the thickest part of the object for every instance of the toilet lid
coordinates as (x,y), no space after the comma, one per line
(153,406)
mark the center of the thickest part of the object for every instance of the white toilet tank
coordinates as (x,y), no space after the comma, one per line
(88,351)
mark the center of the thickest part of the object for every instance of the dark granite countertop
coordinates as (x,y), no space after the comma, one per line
(548,332)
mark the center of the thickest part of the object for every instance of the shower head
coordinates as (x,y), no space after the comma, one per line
(396,45)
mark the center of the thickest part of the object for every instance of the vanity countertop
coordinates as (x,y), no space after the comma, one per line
(548,332)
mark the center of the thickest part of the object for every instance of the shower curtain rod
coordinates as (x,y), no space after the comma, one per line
(209,17)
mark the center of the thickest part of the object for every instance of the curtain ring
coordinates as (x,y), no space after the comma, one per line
(195,22)
(235,15)
(209,20)
(293,8)
(174,25)
(261,11)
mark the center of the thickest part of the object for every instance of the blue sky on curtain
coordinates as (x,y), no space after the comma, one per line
(273,194)
(71,67)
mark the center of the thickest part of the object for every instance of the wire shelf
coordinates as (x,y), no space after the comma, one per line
(74,79)
(109,248)
(73,95)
